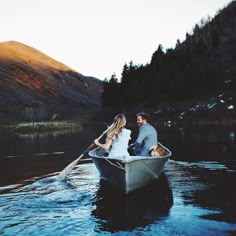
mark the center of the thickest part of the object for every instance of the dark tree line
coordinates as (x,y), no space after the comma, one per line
(194,69)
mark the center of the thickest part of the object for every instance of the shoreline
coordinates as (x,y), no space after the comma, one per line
(42,126)
(76,124)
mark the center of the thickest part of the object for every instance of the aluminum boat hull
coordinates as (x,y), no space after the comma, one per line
(129,173)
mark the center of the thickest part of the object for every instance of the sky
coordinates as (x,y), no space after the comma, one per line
(97,37)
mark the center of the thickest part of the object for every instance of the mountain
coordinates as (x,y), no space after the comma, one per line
(35,86)
(194,80)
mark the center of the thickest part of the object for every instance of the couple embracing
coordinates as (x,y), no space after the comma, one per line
(118,137)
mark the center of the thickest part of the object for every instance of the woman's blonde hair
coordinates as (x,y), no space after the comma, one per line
(119,122)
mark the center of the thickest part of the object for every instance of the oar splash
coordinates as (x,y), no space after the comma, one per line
(65,172)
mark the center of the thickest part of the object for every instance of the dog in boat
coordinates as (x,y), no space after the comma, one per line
(156,151)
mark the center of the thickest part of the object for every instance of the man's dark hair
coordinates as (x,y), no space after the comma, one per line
(144,116)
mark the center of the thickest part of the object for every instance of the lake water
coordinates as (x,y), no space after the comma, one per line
(195,195)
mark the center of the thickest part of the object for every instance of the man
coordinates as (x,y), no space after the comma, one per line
(147,136)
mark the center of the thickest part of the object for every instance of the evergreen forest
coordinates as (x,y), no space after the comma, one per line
(202,65)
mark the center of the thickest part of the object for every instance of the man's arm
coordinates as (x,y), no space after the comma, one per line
(139,140)
(137,147)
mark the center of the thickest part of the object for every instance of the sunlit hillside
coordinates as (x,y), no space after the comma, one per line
(34,86)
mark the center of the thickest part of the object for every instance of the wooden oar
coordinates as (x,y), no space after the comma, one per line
(64,173)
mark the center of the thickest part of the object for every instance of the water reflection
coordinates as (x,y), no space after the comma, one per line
(208,185)
(23,156)
(117,211)
(201,175)
(200,143)
(219,194)
(232,135)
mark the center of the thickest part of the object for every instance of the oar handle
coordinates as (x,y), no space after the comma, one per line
(89,147)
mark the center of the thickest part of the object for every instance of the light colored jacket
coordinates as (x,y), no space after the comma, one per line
(147,137)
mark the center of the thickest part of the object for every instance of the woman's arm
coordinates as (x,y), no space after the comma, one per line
(106,145)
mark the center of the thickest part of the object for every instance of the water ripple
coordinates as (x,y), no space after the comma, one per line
(82,205)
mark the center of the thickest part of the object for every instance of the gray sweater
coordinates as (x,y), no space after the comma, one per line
(147,137)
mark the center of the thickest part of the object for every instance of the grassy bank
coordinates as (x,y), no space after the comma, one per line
(46,126)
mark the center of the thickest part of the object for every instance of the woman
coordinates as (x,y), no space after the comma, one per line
(117,138)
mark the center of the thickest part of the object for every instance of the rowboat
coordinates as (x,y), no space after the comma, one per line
(129,173)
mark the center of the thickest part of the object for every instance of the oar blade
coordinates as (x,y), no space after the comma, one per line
(64,173)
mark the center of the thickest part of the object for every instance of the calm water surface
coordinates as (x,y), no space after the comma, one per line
(195,195)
